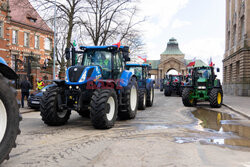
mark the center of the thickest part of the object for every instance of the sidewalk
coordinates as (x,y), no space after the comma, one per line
(26,109)
(240,104)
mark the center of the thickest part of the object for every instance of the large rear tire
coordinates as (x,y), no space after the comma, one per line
(129,110)
(103,108)
(50,112)
(142,99)
(9,119)
(187,100)
(167,91)
(150,97)
(216,97)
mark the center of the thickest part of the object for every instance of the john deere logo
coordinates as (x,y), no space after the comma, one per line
(75,69)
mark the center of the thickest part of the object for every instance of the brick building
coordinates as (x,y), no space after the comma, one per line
(236,63)
(25,40)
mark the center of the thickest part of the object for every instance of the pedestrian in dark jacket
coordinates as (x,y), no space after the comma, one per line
(25,89)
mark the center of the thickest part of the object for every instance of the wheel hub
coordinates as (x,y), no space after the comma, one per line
(110,108)
(133,98)
(3,120)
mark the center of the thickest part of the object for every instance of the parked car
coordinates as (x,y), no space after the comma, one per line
(34,98)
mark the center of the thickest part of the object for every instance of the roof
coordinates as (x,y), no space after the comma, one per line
(154,63)
(198,63)
(108,47)
(138,65)
(21,11)
(172,48)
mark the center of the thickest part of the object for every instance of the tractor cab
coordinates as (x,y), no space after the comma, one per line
(145,84)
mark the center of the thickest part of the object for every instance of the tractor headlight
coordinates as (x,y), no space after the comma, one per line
(201,87)
(83,76)
(66,78)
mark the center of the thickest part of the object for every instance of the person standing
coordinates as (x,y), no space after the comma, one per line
(40,84)
(25,89)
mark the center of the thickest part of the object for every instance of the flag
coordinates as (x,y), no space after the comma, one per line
(118,44)
(210,62)
(144,58)
(192,63)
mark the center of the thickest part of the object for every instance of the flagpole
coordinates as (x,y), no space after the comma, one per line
(54,54)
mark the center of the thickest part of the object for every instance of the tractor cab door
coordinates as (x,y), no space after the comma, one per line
(118,65)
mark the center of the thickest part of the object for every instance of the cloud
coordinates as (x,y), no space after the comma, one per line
(204,48)
(179,24)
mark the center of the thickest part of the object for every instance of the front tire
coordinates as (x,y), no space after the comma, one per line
(142,99)
(103,108)
(150,97)
(187,100)
(9,119)
(129,110)
(167,91)
(50,112)
(216,98)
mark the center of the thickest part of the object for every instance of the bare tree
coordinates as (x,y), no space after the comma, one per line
(106,19)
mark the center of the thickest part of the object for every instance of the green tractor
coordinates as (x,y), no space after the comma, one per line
(203,87)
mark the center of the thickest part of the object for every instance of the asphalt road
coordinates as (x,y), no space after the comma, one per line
(166,134)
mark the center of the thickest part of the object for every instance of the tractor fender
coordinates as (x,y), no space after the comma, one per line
(149,83)
(125,78)
(6,70)
(59,82)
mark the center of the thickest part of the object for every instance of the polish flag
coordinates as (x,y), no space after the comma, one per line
(144,58)
(210,62)
(118,44)
(192,63)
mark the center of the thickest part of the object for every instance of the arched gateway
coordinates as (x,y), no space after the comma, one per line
(171,58)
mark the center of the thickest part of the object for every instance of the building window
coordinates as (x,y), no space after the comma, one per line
(225,74)
(37,42)
(235,36)
(231,73)
(237,69)
(13,62)
(1,29)
(14,37)
(229,40)
(26,39)
(48,44)
(242,27)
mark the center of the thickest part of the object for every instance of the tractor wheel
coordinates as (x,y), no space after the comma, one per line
(50,112)
(129,110)
(161,89)
(180,91)
(167,91)
(103,108)
(9,119)
(150,97)
(142,99)
(186,97)
(216,98)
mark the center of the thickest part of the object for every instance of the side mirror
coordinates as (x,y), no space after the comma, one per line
(67,53)
(126,56)
(149,67)
(218,69)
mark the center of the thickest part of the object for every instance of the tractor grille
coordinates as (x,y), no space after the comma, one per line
(202,84)
(75,73)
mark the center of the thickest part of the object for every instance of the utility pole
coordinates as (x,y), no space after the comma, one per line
(54,54)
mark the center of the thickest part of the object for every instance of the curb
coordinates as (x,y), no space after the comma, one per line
(233,109)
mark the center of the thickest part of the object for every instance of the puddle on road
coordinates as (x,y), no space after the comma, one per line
(231,131)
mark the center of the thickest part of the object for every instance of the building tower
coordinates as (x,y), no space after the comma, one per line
(236,62)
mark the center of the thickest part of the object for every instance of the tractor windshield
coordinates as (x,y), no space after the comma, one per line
(137,71)
(101,58)
(176,78)
(204,73)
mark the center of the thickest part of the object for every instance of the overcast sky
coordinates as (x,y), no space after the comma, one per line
(198,25)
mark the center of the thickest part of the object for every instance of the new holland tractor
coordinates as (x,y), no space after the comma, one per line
(145,84)
(203,87)
(9,111)
(96,86)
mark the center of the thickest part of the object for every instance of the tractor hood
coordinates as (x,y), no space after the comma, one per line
(76,75)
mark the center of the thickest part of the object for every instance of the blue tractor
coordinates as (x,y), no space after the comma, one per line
(145,84)
(9,111)
(96,85)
